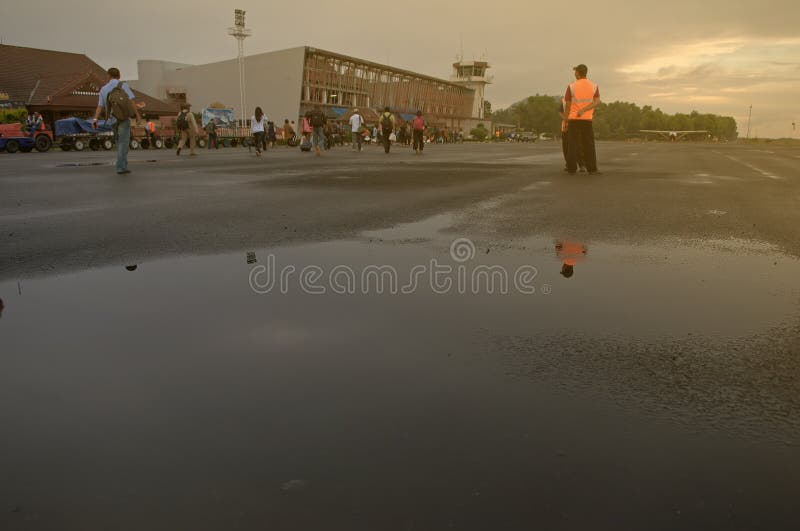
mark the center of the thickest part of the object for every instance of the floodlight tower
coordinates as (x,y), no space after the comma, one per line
(239,32)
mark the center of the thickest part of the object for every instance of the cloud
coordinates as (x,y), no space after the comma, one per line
(681,57)
(720,75)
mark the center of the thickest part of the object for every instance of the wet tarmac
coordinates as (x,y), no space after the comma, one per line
(438,368)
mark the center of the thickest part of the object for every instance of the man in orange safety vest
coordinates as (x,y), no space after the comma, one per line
(580,100)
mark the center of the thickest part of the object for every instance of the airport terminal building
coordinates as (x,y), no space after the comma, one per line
(288,83)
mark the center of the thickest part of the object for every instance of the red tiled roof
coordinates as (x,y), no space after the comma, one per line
(44,78)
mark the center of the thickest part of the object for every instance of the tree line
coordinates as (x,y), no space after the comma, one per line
(617,120)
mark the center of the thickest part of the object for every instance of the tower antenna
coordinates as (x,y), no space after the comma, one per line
(239,32)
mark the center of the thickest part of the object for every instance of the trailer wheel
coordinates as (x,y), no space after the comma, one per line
(134,144)
(12,146)
(226,142)
(43,143)
(107,144)
(94,144)
(145,143)
(158,144)
(79,145)
(169,143)
(201,143)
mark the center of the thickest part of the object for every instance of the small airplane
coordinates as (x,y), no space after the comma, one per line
(673,136)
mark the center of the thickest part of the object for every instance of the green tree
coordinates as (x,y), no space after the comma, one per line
(13,116)
(615,120)
(536,113)
(480,132)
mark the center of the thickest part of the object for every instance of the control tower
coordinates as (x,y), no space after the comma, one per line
(473,75)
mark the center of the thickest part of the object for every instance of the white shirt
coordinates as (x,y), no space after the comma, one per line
(256,126)
(355,122)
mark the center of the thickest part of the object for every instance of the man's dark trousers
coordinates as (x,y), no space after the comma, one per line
(580,136)
(564,146)
(387,144)
(419,142)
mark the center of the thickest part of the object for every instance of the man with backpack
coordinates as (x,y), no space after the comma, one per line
(117,98)
(186,126)
(211,130)
(387,126)
(317,119)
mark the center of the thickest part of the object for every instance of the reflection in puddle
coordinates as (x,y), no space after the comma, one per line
(570,254)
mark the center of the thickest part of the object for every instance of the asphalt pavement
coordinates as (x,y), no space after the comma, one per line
(467,339)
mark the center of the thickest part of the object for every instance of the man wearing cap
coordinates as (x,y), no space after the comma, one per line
(356,122)
(580,100)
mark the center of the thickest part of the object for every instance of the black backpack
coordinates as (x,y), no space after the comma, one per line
(317,119)
(118,104)
(182,124)
(386,121)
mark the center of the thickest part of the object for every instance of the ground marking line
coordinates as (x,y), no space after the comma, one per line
(754,168)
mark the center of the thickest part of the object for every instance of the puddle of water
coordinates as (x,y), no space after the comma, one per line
(179,365)
(413,231)
(71,164)
(643,291)
(536,186)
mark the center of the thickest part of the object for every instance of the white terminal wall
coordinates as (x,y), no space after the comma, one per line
(273,81)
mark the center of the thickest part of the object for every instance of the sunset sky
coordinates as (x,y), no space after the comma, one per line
(711,56)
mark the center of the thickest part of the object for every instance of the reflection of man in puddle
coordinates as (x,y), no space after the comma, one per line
(570,254)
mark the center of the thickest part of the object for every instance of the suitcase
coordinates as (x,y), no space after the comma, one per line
(305,146)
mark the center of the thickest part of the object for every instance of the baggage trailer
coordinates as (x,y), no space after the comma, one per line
(163,137)
(229,132)
(77,134)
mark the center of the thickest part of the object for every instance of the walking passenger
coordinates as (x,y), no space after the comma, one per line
(288,133)
(187,129)
(211,129)
(258,124)
(580,100)
(356,123)
(271,136)
(387,126)
(419,133)
(317,119)
(328,136)
(117,99)
(307,130)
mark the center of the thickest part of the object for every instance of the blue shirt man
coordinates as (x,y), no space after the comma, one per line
(122,128)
